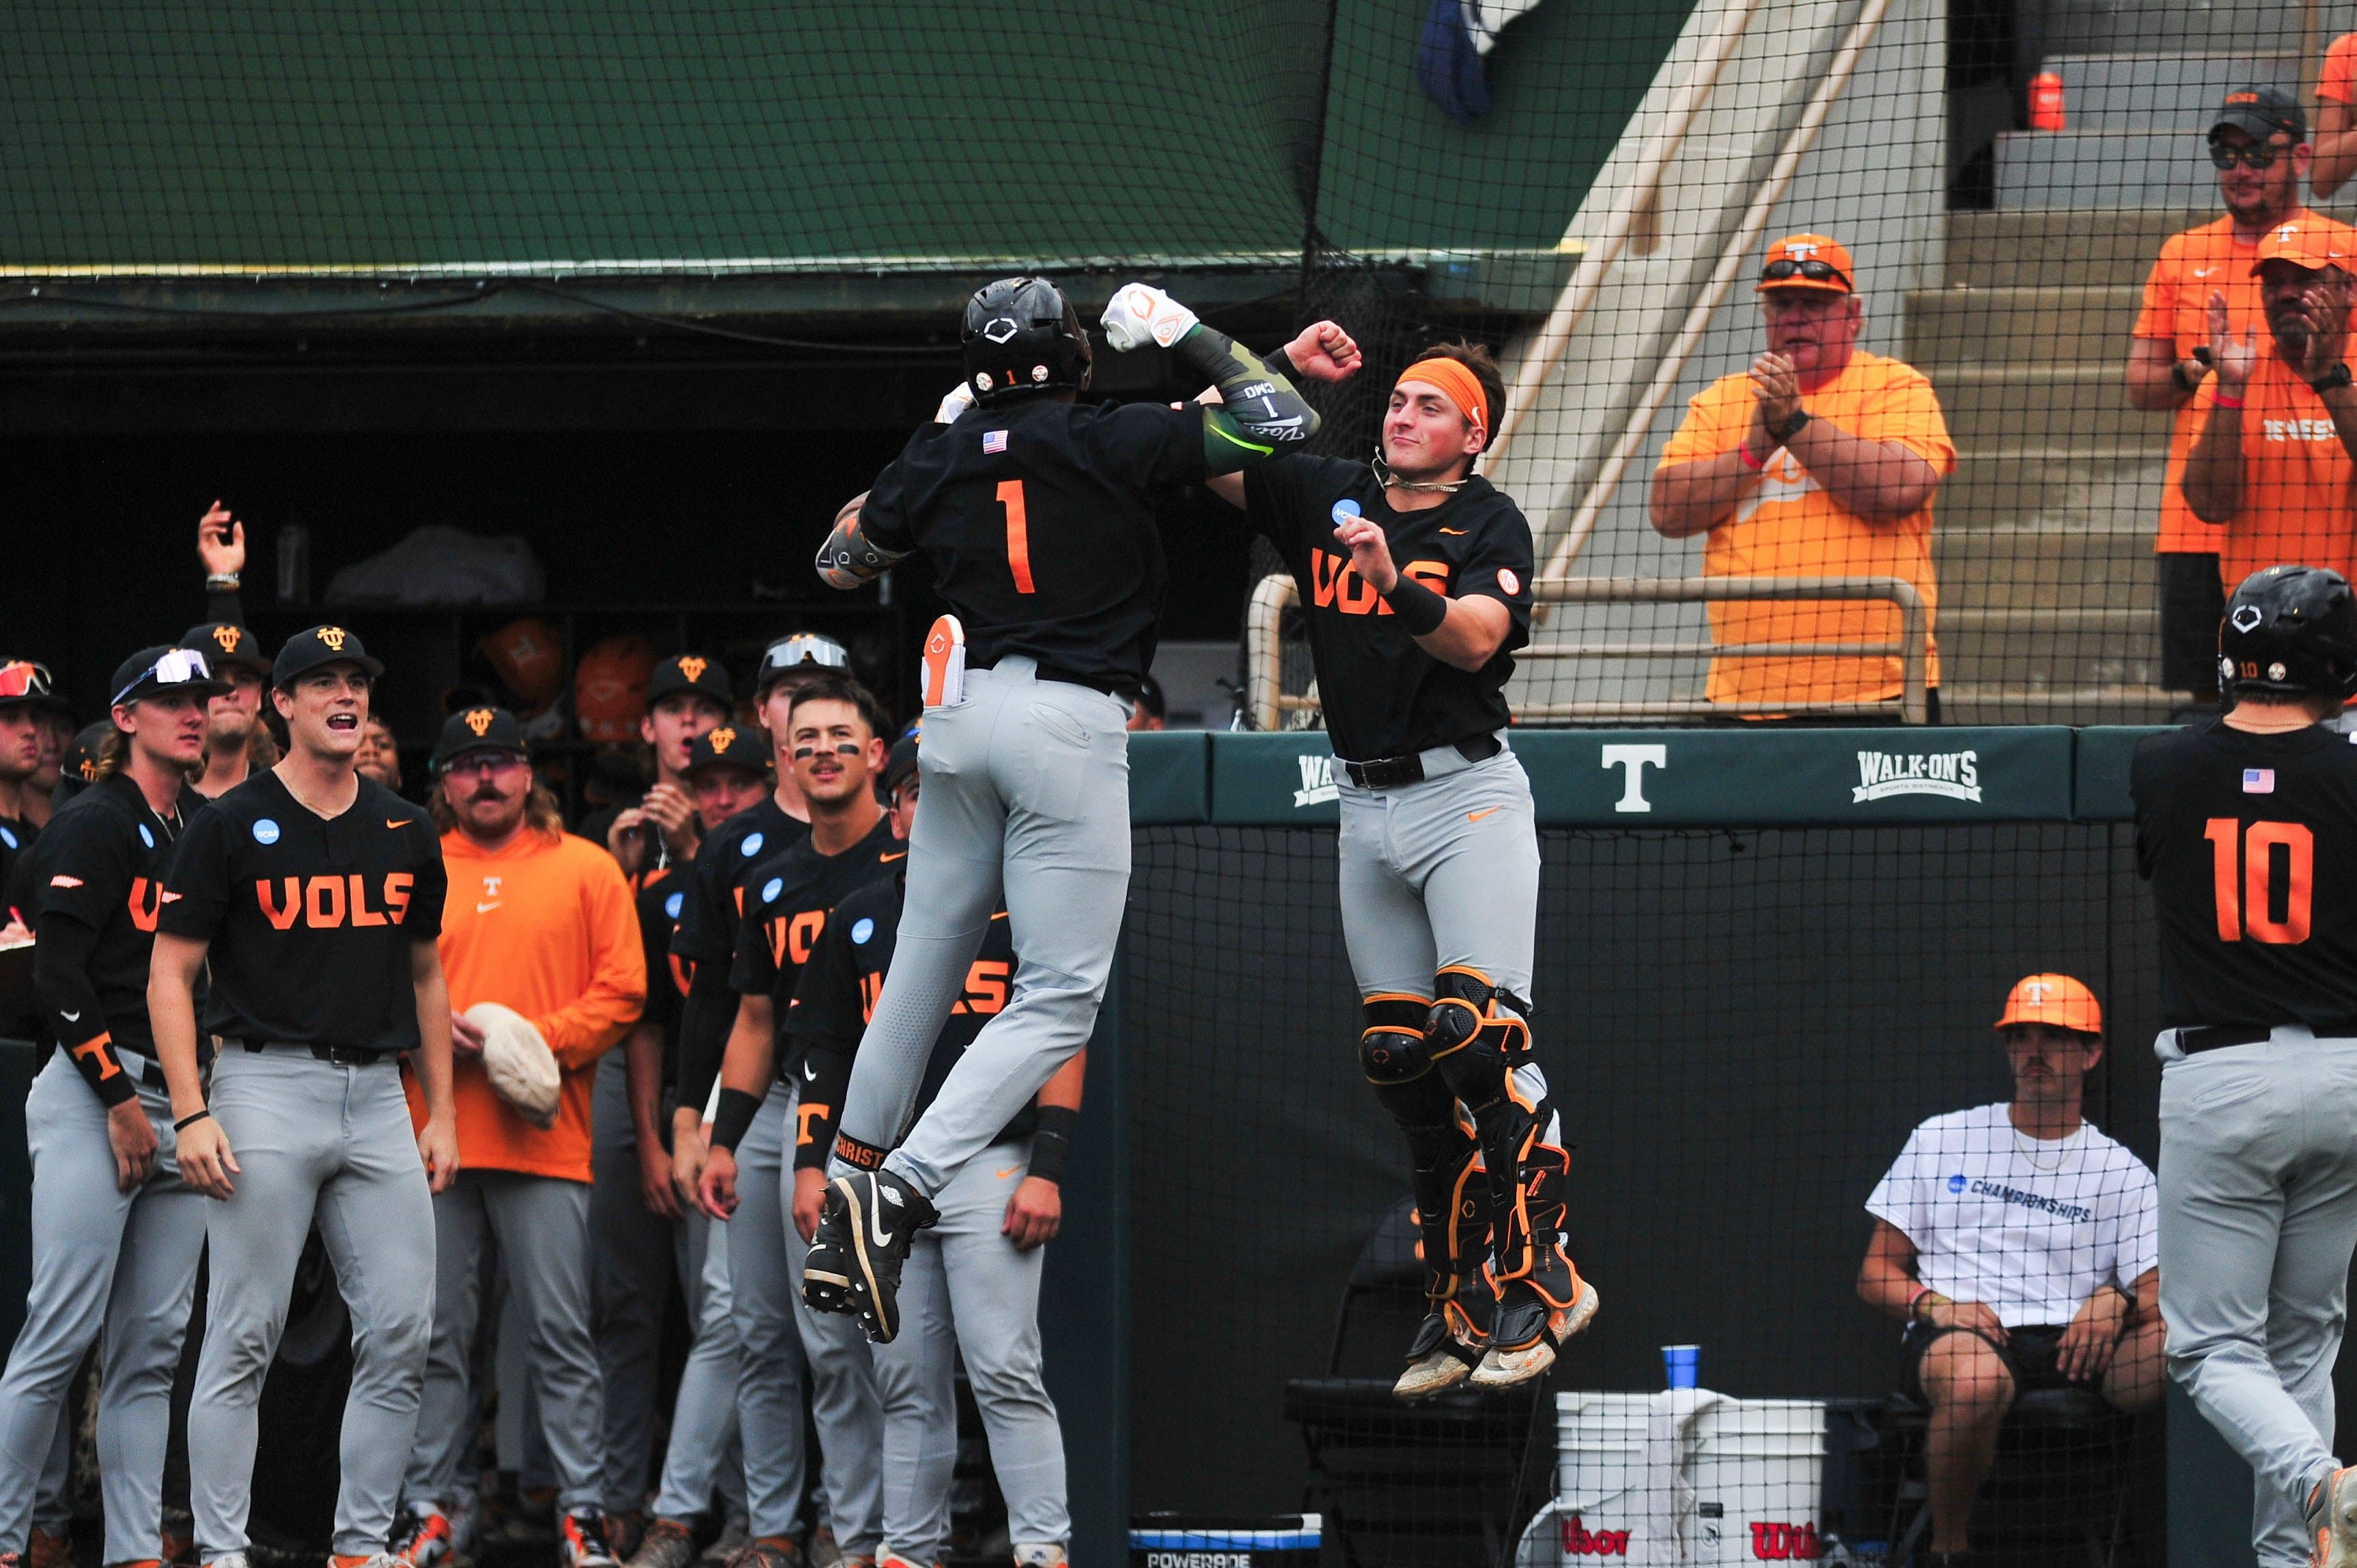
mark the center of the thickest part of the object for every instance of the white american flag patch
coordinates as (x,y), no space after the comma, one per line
(993,441)
(2258,781)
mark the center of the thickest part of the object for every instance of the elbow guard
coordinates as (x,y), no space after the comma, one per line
(848,560)
(1263,404)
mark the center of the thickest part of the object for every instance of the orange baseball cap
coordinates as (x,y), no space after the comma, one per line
(2055,999)
(1793,258)
(2311,243)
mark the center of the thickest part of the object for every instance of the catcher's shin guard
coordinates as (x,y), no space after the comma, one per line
(1478,1034)
(1452,1201)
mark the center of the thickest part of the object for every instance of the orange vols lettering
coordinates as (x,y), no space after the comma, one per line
(361,914)
(1335,584)
(397,885)
(279,920)
(803,934)
(871,986)
(146,898)
(323,903)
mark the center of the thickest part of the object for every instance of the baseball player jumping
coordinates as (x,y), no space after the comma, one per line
(317,896)
(1418,578)
(2247,827)
(1035,513)
(116,1234)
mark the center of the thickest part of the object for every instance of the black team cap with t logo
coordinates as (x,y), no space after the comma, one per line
(307,650)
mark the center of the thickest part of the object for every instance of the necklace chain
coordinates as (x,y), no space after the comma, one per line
(1385,478)
(2028,1146)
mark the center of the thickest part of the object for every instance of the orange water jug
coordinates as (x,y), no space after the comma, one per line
(2046,101)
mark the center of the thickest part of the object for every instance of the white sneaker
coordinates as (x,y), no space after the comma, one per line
(1040,1555)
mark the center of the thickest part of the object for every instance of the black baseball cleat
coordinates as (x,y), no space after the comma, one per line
(827,1267)
(881,1215)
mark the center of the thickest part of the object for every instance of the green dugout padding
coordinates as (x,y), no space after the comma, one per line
(1648,778)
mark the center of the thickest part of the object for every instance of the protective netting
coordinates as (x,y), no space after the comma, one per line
(1742,1029)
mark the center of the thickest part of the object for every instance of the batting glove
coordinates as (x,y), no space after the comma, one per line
(1139,313)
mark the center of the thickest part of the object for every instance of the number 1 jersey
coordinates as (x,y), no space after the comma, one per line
(2250,841)
(1039,520)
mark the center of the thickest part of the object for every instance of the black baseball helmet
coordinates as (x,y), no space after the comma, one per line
(1023,335)
(2289,631)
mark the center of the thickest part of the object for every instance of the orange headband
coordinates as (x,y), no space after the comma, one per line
(1463,389)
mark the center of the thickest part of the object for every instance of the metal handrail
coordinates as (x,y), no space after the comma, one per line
(1267,700)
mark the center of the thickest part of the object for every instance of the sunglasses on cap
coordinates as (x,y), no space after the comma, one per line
(1815,271)
(806,648)
(22,678)
(176,668)
(2253,155)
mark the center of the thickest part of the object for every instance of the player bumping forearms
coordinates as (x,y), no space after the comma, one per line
(1036,513)
(317,896)
(116,1235)
(1416,579)
(2247,827)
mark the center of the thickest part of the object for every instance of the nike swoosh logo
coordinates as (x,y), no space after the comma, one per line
(2203,271)
(889,859)
(810,1071)
(485,908)
(1008,1171)
(397,822)
(1477,816)
(882,1237)
(1452,530)
(69,1017)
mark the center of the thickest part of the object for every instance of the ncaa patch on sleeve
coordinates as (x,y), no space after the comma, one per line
(2258,781)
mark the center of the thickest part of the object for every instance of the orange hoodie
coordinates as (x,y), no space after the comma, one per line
(546,926)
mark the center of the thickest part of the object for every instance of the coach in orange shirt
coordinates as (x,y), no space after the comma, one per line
(541,923)
(2259,146)
(2276,461)
(1819,461)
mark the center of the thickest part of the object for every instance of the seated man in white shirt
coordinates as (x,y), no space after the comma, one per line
(2019,1246)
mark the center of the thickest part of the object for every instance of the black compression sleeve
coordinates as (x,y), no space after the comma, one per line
(826,1075)
(225,604)
(61,980)
(733,1117)
(1051,1140)
(705,1018)
(1260,411)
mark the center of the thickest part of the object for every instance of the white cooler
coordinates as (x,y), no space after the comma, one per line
(1684,1476)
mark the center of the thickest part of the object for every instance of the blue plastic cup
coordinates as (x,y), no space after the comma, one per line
(1681,1364)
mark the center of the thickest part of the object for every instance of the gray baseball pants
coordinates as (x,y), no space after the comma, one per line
(704,1455)
(965,1288)
(844,1406)
(1026,792)
(2258,1218)
(334,1143)
(541,1227)
(765,1294)
(635,1254)
(120,1265)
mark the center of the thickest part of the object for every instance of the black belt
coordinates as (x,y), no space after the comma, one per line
(1105,684)
(2214,1036)
(1391,772)
(150,1071)
(341,1056)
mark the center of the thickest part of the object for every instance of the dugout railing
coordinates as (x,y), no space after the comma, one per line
(1763,957)
(1269,704)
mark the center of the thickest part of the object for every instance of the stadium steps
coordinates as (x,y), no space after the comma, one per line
(2134,130)
(2043,539)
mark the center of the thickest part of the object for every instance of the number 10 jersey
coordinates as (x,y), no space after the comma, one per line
(2250,841)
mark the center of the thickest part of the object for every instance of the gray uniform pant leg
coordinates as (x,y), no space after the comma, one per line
(844,1405)
(770,1394)
(1026,789)
(2258,1218)
(635,1254)
(916,1381)
(334,1143)
(107,1265)
(541,1228)
(703,1455)
(992,1310)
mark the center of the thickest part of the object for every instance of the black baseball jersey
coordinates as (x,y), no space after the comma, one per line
(707,920)
(662,900)
(1382,694)
(836,996)
(311,920)
(787,913)
(1039,522)
(96,873)
(16,841)
(2251,844)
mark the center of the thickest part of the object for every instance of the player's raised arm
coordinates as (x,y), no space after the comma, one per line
(1260,414)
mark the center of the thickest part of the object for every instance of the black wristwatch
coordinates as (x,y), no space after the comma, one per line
(1793,426)
(2185,383)
(2331,381)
